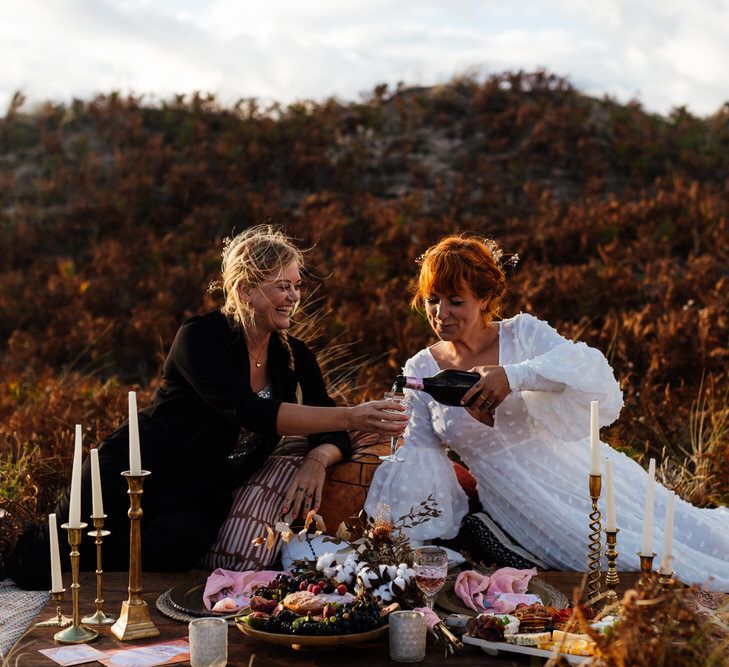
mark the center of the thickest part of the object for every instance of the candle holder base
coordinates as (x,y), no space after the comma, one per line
(55,622)
(98,618)
(75,635)
(134,622)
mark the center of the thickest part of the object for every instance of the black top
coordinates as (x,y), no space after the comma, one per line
(196,415)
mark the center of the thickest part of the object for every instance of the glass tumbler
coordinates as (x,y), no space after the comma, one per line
(208,642)
(407,636)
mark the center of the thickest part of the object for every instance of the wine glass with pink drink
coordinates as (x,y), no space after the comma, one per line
(431,568)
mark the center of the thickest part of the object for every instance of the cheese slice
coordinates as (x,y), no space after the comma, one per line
(529,638)
(559,636)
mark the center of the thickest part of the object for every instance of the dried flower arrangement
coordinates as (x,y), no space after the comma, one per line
(677,627)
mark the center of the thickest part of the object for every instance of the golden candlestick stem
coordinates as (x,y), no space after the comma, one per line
(98,617)
(611,578)
(75,634)
(134,621)
(646,568)
(595,545)
(59,620)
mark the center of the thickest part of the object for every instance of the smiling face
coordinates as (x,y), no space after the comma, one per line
(455,316)
(274,300)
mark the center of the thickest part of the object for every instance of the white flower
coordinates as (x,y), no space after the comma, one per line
(391,571)
(329,571)
(398,582)
(382,567)
(325,560)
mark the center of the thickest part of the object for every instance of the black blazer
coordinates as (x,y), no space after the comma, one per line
(195,417)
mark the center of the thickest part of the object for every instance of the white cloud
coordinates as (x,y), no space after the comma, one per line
(670,53)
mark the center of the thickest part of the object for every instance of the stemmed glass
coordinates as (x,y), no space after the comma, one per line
(404,401)
(431,568)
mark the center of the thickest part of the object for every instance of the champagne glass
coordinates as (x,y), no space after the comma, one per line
(431,568)
(404,401)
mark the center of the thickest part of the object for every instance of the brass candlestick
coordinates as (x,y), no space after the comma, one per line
(611,578)
(667,580)
(646,568)
(75,634)
(98,617)
(59,620)
(595,546)
(134,621)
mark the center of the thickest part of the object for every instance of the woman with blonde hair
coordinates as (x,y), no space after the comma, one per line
(522,430)
(234,382)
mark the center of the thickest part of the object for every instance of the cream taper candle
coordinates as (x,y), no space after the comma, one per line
(97,503)
(56,578)
(610,521)
(594,439)
(135,458)
(74,512)
(667,558)
(647,545)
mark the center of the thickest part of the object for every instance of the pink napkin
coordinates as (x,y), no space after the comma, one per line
(431,618)
(470,586)
(236,586)
(479,591)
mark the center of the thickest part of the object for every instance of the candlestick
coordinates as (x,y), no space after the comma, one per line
(667,559)
(56,577)
(74,517)
(97,502)
(59,620)
(610,520)
(75,633)
(134,621)
(647,544)
(594,439)
(135,458)
(667,580)
(646,568)
(595,545)
(611,578)
(98,617)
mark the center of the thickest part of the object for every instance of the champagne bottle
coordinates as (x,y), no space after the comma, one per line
(446,387)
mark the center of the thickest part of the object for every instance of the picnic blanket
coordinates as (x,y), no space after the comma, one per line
(18,609)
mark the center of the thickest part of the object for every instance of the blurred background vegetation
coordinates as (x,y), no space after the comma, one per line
(113,211)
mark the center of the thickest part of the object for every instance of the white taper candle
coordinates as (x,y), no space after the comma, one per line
(594,439)
(56,578)
(647,545)
(97,503)
(667,559)
(610,520)
(135,458)
(74,513)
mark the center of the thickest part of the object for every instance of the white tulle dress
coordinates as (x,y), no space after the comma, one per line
(532,467)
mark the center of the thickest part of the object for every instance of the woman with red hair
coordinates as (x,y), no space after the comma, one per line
(523,433)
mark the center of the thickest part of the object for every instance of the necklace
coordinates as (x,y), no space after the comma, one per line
(257,359)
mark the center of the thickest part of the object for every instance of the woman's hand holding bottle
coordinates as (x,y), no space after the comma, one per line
(486,394)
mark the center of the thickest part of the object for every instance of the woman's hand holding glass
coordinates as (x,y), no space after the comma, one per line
(384,417)
(405,404)
(431,569)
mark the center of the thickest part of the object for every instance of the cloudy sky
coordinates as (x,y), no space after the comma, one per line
(665,53)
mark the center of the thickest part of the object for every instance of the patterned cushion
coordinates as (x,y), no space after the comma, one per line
(255,504)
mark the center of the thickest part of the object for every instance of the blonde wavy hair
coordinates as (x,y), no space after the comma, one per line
(249,259)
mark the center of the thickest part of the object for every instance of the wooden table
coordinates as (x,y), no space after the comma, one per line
(243,652)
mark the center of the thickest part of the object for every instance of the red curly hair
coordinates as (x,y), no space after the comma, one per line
(460,262)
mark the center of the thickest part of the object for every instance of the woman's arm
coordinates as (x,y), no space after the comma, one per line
(304,492)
